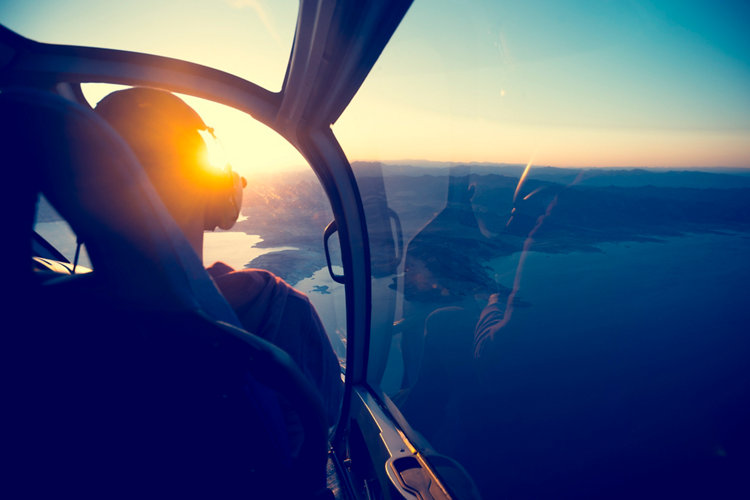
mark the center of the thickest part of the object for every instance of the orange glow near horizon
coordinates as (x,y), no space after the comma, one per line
(371,133)
(381,131)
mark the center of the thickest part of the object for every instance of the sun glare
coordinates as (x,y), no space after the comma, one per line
(248,145)
(240,140)
(215,155)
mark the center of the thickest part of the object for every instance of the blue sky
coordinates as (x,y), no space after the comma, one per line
(581,82)
(593,83)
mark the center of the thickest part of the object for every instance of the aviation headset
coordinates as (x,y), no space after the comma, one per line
(143,115)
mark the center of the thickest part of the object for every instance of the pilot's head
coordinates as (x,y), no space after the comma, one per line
(167,137)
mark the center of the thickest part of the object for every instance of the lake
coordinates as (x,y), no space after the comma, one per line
(703,277)
(234,248)
(622,369)
(237,249)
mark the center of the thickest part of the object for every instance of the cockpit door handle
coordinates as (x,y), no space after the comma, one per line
(331,228)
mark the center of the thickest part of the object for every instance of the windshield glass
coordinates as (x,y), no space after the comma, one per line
(225,34)
(283,214)
(56,232)
(558,205)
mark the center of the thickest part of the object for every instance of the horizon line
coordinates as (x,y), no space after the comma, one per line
(412,161)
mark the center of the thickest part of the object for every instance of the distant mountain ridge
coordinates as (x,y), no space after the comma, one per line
(721,178)
(603,205)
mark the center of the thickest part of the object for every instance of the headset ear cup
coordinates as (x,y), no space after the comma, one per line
(223,207)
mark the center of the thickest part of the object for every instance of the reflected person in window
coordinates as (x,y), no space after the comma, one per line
(169,139)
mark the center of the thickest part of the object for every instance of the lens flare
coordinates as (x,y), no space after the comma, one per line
(523,177)
(533,193)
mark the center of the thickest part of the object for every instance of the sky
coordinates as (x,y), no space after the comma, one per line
(576,83)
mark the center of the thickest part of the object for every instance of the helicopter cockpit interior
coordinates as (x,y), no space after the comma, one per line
(522,227)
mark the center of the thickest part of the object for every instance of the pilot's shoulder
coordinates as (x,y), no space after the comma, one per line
(250,281)
(220,269)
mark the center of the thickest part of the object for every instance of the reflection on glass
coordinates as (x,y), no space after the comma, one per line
(566,332)
(548,323)
(579,331)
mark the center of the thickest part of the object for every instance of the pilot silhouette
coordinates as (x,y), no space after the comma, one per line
(167,137)
(445,283)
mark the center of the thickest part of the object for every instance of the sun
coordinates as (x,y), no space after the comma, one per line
(216,157)
(250,147)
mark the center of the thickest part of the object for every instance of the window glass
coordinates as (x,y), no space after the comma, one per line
(55,230)
(281,230)
(224,34)
(283,214)
(558,204)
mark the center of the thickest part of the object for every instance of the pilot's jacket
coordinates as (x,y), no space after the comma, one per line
(270,308)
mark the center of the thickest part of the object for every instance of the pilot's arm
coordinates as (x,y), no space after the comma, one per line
(489,324)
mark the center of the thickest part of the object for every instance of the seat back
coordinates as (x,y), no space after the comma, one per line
(91,177)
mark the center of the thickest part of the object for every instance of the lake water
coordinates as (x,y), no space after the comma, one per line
(628,362)
(701,276)
(237,249)
(234,248)
(329,299)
